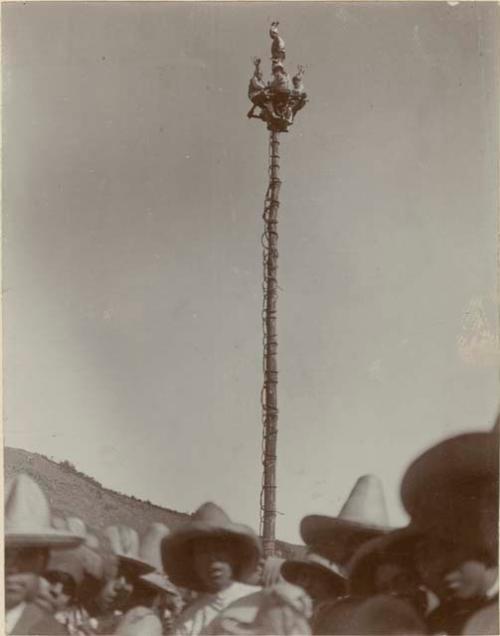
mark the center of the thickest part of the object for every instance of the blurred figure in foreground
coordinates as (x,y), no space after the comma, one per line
(376,615)
(386,565)
(451,493)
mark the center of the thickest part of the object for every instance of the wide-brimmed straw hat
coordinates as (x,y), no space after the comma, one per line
(69,562)
(395,547)
(315,564)
(125,545)
(93,559)
(27,521)
(451,490)
(109,562)
(362,517)
(160,582)
(150,545)
(80,561)
(150,551)
(207,522)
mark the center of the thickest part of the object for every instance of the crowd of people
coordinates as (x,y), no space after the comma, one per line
(437,575)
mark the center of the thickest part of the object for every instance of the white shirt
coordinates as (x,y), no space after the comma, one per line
(493,591)
(12,616)
(207,606)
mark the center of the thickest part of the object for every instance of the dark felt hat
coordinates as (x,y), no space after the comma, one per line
(315,564)
(209,521)
(451,490)
(396,547)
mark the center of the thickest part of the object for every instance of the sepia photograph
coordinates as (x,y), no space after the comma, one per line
(251,317)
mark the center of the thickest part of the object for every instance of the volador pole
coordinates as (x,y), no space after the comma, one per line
(275,103)
(270,397)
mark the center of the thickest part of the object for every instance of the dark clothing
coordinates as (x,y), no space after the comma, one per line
(35,620)
(451,617)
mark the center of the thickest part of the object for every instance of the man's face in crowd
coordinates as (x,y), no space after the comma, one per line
(117,590)
(452,571)
(214,563)
(60,598)
(22,567)
(170,602)
(61,590)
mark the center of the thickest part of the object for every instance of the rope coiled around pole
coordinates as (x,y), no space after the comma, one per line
(270,346)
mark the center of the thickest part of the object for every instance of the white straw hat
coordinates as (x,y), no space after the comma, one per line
(28,519)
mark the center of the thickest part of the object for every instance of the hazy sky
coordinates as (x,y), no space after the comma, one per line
(133,194)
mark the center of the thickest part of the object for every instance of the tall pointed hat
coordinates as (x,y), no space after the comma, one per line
(80,561)
(27,519)
(362,517)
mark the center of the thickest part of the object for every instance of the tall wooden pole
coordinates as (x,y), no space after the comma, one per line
(270,388)
(276,103)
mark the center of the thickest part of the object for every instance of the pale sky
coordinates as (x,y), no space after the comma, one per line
(133,194)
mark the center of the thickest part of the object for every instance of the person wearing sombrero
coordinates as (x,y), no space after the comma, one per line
(29,540)
(451,494)
(153,593)
(99,565)
(75,577)
(125,544)
(123,573)
(213,556)
(64,574)
(362,517)
(386,565)
(319,577)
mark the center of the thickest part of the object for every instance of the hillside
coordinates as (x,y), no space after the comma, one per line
(72,493)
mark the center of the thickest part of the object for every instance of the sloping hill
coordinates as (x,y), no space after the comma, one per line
(72,493)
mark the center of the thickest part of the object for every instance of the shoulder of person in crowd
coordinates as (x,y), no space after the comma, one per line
(36,620)
(43,597)
(140,621)
(280,609)
(291,595)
